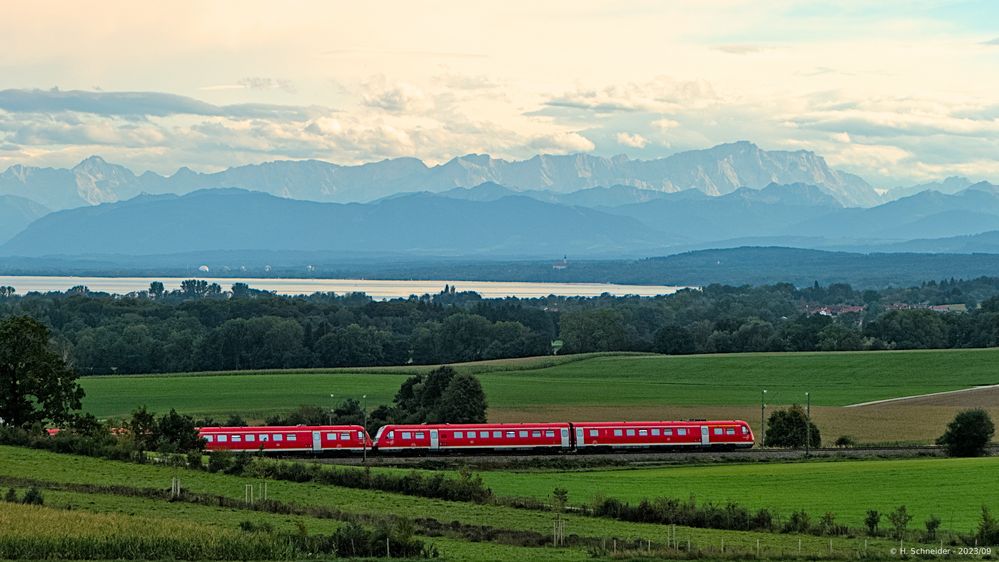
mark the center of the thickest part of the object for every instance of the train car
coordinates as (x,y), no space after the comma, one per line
(691,433)
(473,437)
(287,439)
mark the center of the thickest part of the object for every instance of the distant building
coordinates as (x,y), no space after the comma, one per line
(560,265)
(837,309)
(958,307)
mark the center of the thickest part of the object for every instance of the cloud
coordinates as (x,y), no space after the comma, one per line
(141,104)
(743,49)
(631,140)
(561,143)
(262,83)
(991,42)
(398,98)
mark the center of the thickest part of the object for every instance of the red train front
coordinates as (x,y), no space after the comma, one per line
(287,439)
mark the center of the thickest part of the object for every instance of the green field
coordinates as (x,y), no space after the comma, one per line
(67,469)
(952,489)
(834,379)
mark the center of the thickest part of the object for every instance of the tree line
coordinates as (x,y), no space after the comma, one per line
(203,327)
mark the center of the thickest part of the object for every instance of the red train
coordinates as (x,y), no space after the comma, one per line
(427,438)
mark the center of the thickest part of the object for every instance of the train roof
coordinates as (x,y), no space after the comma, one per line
(476,425)
(281,428)
(653,423)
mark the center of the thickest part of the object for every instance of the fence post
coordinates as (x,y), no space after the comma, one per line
(799,547)
(388,551)
(757,548)
(723,545)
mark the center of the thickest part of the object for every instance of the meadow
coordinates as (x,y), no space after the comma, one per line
(604,386)
(833,379)
(952,489)
(17,463)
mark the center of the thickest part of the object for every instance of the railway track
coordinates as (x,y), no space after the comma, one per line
(632,458)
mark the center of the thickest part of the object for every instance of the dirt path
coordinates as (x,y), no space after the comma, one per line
(969,397)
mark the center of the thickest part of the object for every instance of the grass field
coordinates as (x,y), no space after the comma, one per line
(952,489)
(23,463)
(606,387)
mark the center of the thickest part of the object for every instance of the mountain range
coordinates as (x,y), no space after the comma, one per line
(492,221)
(714,171)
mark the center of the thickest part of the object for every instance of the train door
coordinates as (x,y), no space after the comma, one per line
(705,436)
(434,440)
(579,437)
(565,437)
(317,441)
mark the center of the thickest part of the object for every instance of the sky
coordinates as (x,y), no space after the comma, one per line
(900,92)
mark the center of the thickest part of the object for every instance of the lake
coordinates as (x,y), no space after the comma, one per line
(378,289)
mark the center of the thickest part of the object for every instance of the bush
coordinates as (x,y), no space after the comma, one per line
(791,428)
(871,521)
(988,528)
(932,524)
(968,434)
(845,441)
(33,497)
(10,496)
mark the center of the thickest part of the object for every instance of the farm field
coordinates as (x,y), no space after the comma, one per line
(608,387)
(951,489)
(66,469)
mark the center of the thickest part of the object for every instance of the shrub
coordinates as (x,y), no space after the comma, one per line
(968,434)
(932,524)
(10,496)
(871,521)
(799,522)
(845,441)
(791,428)
(33,497)
(899,520)
(988,528)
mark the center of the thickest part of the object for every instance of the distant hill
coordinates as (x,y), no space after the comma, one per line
(714,171)
(16,213)
(952,184)
(240,220)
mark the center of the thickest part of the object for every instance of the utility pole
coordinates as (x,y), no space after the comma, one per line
(763,414)
(364,422)
(808,422)
(332,407)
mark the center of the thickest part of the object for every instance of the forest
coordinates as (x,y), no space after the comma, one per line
(205,327)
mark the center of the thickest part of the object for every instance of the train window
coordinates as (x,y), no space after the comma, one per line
(264,437)
(460,435)
(594,433)
(618,433)
(223,438)
(643,432)
(550,433)
(535,434)
(511,434)
(719,431)
(730,431)
(420,435)
(236,438)
(407,435)
(497,434)
(331,436)
(523,433)
(251,437)
(655,432)
(681,431)
(292,437)
(345,437)
(667,432)
(360,436)
(208,438)
(745,430)
(391,435)
(278,437)
(631,433)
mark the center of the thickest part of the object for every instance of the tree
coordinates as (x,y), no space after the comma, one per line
(463,401)
(968,434)
(7,291)
(871,521)
(899,520)
(156,289)
(844,441)
(674,340)
(988,528)
(932,524)
(791,428)
(144,429)
(36,385)
(177,433)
